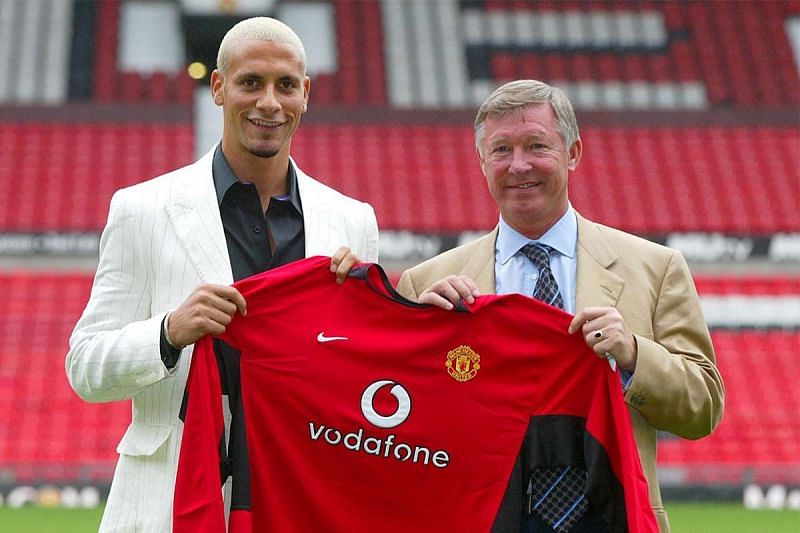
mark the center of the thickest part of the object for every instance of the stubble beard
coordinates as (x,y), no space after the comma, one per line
(264,154)
(263,148)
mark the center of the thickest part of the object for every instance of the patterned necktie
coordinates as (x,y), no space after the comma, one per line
(546,287)
(557,494)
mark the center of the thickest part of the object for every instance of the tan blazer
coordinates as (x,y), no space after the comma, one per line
(163,238)
(676,386)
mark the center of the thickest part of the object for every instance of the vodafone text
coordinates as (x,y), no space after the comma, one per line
(356,442)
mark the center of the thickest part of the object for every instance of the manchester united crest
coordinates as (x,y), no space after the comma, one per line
(462,363)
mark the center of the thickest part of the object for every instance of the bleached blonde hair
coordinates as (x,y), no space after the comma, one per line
(258,29)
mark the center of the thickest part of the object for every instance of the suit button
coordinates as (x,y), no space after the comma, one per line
(257,229)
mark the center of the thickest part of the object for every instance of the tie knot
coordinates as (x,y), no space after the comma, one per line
(538,253)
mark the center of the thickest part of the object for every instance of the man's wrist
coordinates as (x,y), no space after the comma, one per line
(166,334)
(169,352)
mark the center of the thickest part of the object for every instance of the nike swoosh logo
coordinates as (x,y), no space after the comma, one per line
(322,338)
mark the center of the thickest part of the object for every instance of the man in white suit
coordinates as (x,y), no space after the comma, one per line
(173,245)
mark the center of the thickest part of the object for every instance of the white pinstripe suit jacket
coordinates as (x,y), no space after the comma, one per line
(162,239)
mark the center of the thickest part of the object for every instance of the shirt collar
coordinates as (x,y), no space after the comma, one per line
(224,178)
(562,237)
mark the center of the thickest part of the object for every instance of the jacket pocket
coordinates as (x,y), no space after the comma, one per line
(143,439)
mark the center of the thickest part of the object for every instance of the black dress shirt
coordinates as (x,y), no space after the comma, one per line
(247,227)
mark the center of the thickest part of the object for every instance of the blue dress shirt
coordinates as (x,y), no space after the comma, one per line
(515,273)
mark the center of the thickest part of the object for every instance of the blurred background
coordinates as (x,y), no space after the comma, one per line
(689,112)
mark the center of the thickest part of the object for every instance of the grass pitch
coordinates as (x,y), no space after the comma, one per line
(684,518)
(705,517)
(49,520)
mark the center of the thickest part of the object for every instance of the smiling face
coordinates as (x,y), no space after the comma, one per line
(263,92)
(527,167)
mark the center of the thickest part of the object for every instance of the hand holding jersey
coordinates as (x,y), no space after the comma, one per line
(615,339)
(606,333)
(210,308)
(448,292)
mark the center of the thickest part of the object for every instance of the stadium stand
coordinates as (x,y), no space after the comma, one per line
(47,433)
(757,440)
(74,168)
(695,47)
(361,79)
(114,85)
(105,59)
(659,178)
(733,180)
(611,54)
(34,46)
(689,111)
(654,179)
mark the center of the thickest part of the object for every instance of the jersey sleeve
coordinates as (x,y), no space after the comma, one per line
(197,500)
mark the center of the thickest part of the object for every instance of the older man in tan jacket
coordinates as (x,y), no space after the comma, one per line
(634,301)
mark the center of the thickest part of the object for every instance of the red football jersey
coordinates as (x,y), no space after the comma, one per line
(366,412)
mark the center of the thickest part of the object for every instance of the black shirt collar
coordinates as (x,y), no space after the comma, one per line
(224,178)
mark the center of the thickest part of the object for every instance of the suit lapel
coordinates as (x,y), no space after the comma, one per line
(597,286)
(480,264)
(316,227)
(194,212)
(322,229)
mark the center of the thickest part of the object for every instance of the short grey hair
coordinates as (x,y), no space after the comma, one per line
(258,29)
(516,95)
